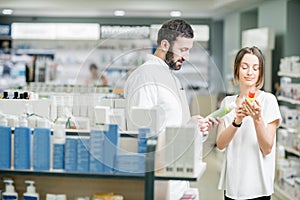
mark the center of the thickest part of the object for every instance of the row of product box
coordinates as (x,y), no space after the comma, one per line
(97,153)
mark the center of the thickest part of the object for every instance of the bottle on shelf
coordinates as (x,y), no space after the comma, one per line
(16,95)
(9,193)
(5,145)
(26,96)
(5,95)
(30,193)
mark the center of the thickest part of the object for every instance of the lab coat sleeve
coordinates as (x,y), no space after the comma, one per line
(141,92)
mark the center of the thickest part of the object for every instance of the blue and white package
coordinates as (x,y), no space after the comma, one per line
(5,147)
(142,139)
(130,163)
(22,147)
(71,154)
(83,155)
(58,156)
(59,140)
(111,146)
(96,151)
(41,148)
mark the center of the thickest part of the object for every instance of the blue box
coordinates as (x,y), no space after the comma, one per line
(83,155)
(130,163)
(111,147)
(22,148)
(58,156)
(96,151)
(71,154)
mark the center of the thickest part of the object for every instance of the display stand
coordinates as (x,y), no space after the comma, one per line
(74,184)
(279,192)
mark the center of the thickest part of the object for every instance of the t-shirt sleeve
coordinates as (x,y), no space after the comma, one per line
(272,109)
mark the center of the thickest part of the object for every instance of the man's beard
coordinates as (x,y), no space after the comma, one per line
(169,61)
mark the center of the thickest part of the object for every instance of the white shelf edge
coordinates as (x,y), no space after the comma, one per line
(288,128)
(289,74)
(289,100)
(281,194)
(290,150)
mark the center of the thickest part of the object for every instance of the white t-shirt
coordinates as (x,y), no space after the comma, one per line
(246,172)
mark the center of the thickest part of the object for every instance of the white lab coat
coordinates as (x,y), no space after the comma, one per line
(154,84)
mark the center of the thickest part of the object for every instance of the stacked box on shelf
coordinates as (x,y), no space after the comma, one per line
(134,163)
(130,163)
(71,154)
(111,147)
(97,151)
(83,154)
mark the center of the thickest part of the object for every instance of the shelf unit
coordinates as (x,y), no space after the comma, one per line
(288,74)
(288,100)
(279,192)
(135,181)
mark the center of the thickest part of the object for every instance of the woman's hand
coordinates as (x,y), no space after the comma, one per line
(252,109)
(240,113)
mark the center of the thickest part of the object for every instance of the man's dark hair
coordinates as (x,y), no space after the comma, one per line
(93,66)
(171,29)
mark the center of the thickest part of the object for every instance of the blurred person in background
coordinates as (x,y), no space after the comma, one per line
(95,78)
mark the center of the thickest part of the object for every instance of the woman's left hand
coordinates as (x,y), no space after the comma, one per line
(252,109)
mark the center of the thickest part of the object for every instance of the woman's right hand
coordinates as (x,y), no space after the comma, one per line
(240,113)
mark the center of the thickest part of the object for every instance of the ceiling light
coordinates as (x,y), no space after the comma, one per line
(119,12)
(7,11)
(175,13)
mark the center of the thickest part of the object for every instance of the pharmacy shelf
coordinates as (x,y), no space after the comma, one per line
(281,194)
(289,100)
(72,174)
(78,132)
(86,132)
(290,129)
(293,151)
(148,177)
(201,171)
(289,74)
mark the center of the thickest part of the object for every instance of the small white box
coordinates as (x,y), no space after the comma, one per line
(120,103)
(107,102)
(102,115)
(117,116)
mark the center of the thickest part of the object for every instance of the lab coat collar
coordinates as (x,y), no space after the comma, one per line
(158,61)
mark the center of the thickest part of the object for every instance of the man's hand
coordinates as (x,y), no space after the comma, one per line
(205,124)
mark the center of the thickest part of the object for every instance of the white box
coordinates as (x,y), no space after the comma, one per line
(117,116)
(181,150)
(145,117)
(102,115)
